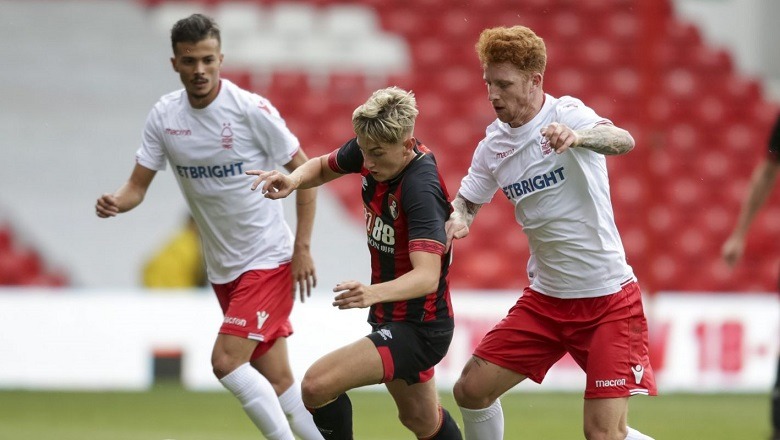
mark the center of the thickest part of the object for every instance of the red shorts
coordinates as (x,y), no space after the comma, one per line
(606,336)
(257,306)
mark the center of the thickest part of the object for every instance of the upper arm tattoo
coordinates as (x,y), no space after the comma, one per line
(606,139)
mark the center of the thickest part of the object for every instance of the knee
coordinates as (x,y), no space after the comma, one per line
(470,396)
(223,364)
(315,392)
(415,421)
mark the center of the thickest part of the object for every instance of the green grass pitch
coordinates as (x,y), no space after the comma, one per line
(168,412)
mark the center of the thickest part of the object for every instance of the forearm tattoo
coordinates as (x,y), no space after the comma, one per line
(467,210)
(606,139)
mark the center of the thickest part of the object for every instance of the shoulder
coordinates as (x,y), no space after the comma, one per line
(573,111)
(423,172)
(171,100)
(566,103)
(493,135)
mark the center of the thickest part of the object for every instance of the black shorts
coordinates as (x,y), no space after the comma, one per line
(410,350)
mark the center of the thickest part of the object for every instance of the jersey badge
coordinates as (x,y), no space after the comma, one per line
(227,136)
(392,206)
(545,145)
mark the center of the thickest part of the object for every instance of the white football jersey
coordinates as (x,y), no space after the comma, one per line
(561,200)
(209,151)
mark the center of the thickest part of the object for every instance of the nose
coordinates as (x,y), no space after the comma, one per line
(491,95)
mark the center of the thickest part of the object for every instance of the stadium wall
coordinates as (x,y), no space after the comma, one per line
(106,340)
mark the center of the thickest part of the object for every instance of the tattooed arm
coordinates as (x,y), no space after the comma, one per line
(606,139)
(603,139)
(461,218)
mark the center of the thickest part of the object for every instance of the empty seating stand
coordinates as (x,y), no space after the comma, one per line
(699,132)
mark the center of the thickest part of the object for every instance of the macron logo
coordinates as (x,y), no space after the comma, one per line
(178,132)
(638,372)
(610,383)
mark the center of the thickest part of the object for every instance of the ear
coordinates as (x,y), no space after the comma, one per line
(536,79)
(173,64)
(410,143)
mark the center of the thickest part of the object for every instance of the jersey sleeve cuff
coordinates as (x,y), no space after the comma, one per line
(424,245)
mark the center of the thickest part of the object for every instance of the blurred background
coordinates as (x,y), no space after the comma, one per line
(697,83)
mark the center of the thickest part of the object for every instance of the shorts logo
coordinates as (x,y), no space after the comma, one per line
(261,317)
(638,371)
(385,334)
(235,321)
(606,383)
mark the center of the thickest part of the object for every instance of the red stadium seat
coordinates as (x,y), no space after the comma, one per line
(6,238)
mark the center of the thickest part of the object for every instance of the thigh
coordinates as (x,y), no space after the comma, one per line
(614,351)
(257,306)
(526,341)
(410,351)
(352,366)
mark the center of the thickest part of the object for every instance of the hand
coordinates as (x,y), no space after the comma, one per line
(354,295)
(732,250)
(561,137)
(304,275)
(455,228)
(106,206)
(277,185)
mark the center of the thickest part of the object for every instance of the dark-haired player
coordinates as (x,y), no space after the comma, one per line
(761,184)
(210,133)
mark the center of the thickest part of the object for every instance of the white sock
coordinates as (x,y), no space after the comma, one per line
(301,421)
(633,434)
(259,400)
(484,424)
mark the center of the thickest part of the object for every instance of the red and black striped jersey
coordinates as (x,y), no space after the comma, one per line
(405,214)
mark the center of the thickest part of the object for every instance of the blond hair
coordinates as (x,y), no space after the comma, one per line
(387,116)
(517,45)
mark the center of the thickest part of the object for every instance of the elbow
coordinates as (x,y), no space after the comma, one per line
(430,283)
(630,143)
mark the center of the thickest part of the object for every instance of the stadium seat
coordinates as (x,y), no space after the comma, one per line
(6,238)
(341,20)
(237,21)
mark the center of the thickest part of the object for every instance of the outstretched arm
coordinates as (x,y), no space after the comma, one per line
(761,184)
(276,185)
(603,139)
(461,219)
(128,196)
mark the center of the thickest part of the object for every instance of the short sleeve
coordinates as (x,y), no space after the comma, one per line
(479,185)
(575,114)
(151,154)
(274,137)
(426,208)
(347,158)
